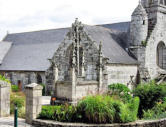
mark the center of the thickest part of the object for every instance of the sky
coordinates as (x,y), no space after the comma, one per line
(31,15)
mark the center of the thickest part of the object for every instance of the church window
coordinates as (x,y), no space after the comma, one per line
(39,79)
(161,55)
(143,22)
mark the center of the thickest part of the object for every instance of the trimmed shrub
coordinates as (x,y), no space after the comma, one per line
(121,90)
(149,94)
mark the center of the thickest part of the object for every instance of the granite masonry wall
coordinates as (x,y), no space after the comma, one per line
(33,101)
(4,99)
(119,73)
(24,77)
(64,89)
(148,123)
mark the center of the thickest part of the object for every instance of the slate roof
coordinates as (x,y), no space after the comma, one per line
(31,50)
(122,26)
(111,48)
(4,48)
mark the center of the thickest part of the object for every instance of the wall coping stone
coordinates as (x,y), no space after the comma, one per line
(4,84)
(139,123)
(34,86)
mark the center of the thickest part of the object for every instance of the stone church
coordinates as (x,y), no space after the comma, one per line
(83,59)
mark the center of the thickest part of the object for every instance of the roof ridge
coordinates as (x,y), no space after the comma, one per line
(37,31)
(99,25)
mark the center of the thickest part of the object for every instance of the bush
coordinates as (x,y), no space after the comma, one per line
(18,99)
(14,88)
(48,112)
(130,110)
(157,112)
(3,78)
(121,90)
(62,113)
(94,109)
(149,94)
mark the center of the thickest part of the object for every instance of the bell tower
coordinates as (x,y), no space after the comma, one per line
(156,11)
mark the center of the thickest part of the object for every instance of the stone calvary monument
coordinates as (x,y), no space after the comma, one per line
(80,60)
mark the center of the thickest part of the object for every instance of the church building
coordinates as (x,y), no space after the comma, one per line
(73,62)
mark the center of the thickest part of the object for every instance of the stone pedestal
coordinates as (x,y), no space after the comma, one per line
(4,99)
(33,101)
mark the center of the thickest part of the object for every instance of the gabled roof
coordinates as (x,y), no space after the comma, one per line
(122,26)
(111,44)
(31,50)
(4,48)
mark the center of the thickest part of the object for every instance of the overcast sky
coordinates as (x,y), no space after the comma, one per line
(29,15)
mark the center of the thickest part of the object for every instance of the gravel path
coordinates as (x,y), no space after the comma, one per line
(9,122)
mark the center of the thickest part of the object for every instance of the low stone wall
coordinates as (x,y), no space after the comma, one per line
(141,123)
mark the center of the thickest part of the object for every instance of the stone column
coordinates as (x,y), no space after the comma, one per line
(83,64)
(100,68)
(33,101)
(73,73)
(4,99)
(55,73)
(73,81)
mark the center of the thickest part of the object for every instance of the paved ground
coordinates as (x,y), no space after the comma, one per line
(9,122)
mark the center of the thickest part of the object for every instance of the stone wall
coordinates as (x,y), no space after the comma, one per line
(4,99)
(118,73)
(86,88)
(158,35)
(148,123)
(33,101)
(24,77)
(83,88)
(64,90)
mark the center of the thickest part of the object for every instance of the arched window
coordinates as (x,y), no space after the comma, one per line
(39,79)
(161,55)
